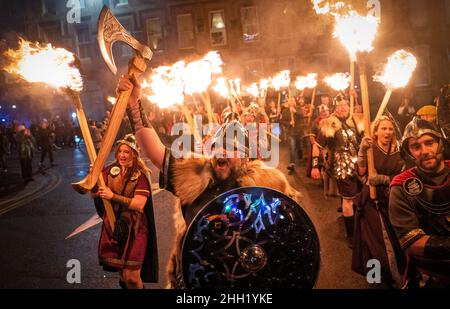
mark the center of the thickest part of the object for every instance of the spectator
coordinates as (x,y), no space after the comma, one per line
(25,144)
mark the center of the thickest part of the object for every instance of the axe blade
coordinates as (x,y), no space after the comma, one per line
(110,31)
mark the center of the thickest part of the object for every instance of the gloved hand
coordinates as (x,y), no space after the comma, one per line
(366,143)
(379,180)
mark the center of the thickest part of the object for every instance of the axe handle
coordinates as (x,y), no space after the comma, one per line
(137,65)
(92,154)
(366,114)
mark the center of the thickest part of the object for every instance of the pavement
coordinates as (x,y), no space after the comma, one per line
(35,221)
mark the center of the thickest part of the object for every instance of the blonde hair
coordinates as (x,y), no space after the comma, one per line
(138,163)
(376,125)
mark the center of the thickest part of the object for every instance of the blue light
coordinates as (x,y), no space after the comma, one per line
(74,115)
(3,120)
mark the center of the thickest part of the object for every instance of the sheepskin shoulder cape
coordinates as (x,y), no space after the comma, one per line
(329,126)
(192,176)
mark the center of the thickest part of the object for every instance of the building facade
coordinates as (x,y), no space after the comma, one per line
(255,38)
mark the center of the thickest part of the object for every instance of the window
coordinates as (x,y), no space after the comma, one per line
(83,42)
(250,25)
(154,34)
(422,73)
(217,28)
(119,3)
(185,31)
(418,13)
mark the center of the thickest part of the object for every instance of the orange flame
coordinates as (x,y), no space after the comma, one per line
(308,81)
(356,32)
(398,70)
(221,87)
(282,79)
(44,64)
(338,81)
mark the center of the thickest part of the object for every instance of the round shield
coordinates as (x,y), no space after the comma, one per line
(251,237)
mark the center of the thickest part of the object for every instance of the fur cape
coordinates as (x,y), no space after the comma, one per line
(329,126)
(192,176)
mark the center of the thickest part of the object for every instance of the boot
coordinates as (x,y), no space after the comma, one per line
(349,226)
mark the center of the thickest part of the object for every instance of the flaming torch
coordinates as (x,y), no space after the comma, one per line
(281,80)
(55,67)
(356,33)
(166,89)
(308,81)
(198,77)
(338,81)
(397,73)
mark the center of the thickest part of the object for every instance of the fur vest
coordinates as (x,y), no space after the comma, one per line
(329,126)
(192,177)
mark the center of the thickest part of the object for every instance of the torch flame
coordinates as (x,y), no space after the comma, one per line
(253,90)
(308,81)
(327,7)
(356,32)
(166,85)
(338,81)
(44,64)
(282,79)
(221,87)
(398,70)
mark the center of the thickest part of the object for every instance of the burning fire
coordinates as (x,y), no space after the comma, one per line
(398,70)
(338,81)
(356,32)
(221,87)
(281,80)
(327,7)
(253,89)
(308,81)
(166,85)
(112,100)
(37,63)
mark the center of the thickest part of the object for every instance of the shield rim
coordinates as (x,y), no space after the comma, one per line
(249,187)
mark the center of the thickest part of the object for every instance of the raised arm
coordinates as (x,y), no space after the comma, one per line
(146,136)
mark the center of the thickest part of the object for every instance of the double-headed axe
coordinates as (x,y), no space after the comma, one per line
(109,32)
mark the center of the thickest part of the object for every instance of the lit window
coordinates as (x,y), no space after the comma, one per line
(217,28)
(154,34)
(185,31)
(250,25)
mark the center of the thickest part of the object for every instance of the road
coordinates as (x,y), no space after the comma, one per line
(34,224)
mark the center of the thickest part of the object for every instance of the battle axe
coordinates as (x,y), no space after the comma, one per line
(109,32)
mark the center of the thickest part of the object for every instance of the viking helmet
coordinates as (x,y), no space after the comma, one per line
(416,129)
(232,135)
(130,141)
